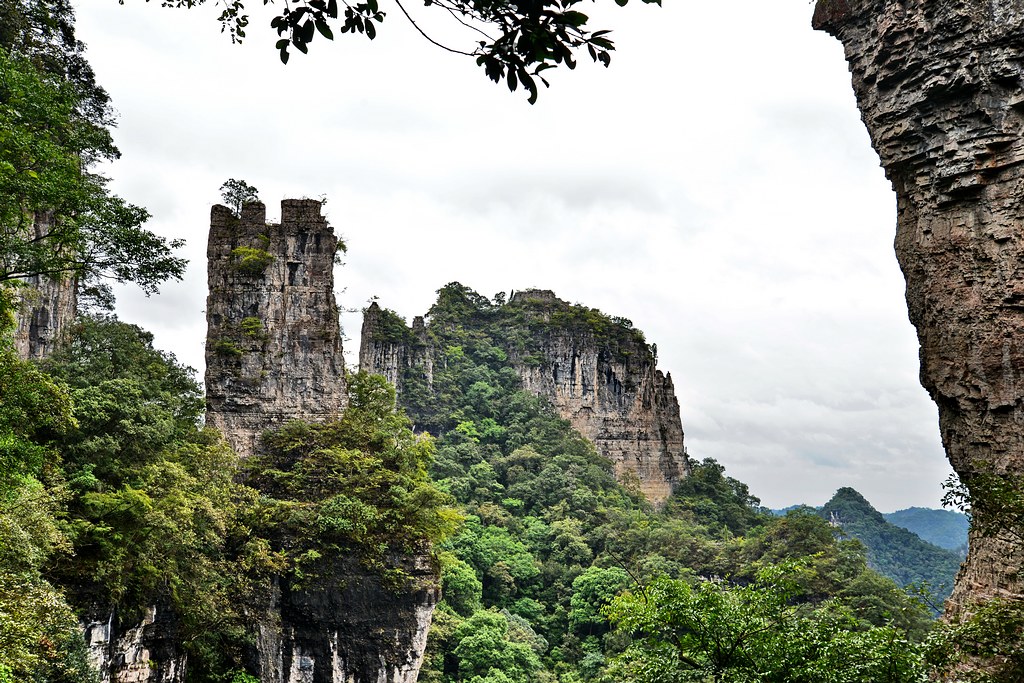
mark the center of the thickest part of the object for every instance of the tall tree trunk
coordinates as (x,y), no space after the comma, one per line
(938,83)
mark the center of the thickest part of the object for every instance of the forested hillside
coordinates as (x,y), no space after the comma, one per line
(892,550)
(551,538)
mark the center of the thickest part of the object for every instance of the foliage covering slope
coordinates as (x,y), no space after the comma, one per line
(894,551)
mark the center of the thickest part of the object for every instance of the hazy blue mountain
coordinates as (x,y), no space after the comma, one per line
(892,550)
(944,528)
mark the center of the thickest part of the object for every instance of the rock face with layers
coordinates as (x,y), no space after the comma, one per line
(608,388)
(273,343)
(390,355)
(939,86)
(147,651)
(347,628)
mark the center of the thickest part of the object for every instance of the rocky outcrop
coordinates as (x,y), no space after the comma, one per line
(612,393)
(273,344)
(140,651)
(387,347)
(597,372)
(939,88)
(48,307)
(274,354)
(348,627)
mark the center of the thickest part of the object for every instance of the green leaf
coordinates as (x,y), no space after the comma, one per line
(324,29)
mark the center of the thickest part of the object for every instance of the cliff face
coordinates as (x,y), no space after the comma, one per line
(939,88)
(147,651)
(273,344)
(349,628)
(598,374)
(48,306)
(390,352)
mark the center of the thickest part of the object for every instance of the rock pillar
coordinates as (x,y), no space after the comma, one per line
(273,344)
(939,88)
(48,306)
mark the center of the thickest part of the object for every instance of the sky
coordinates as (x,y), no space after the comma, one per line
(715,185)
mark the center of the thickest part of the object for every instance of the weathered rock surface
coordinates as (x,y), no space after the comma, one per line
(273,344)
(48,307)
(348,628)
(939,88)
(384,353)
(146,651)
(609,388)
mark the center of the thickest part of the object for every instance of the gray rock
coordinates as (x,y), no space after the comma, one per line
(939,89)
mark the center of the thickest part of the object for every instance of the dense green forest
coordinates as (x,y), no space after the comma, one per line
(112,493)
(551,539)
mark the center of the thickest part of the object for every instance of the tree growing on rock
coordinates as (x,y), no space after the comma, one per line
(236,193)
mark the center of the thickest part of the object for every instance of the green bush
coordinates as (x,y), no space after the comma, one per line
(251,260)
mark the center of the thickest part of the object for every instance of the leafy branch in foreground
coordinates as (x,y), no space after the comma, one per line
(515,41)
(993,500)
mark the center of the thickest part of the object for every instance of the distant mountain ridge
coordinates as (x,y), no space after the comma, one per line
(893,550)
(944,528)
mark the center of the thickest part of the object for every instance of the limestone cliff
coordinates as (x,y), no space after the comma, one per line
(140,651)
(597,372)
(48,306)
(273,344)
(348,627)
(939,88)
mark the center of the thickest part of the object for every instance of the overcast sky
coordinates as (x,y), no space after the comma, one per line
(715,185)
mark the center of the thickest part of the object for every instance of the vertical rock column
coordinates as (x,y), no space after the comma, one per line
(939,88)
(273,354)
(383,353)
(273,345)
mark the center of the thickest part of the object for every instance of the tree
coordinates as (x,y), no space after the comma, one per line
(57,217)
(39,634)
(938,88)
(236,193)
(515,41)
(713,631)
